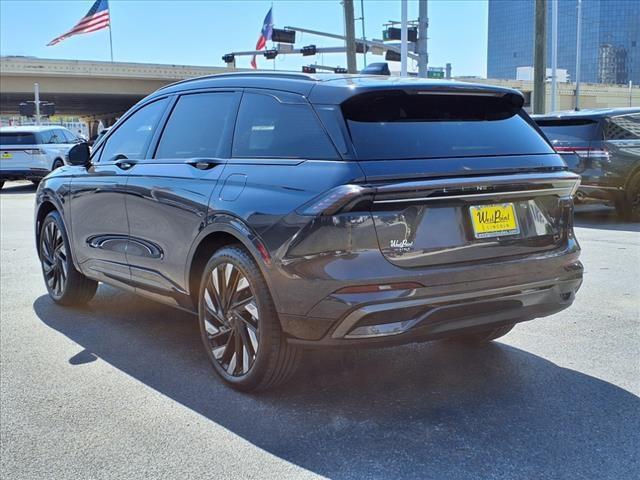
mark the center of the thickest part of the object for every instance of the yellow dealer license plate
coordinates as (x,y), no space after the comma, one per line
(494,220)
(6,155)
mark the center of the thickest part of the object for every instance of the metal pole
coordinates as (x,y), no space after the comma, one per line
(630,91)
(554,54)
(404,45)
(539,55)
(578,45)
(36,92)
(364,37)
(350,34)
(110,41)
(423,25)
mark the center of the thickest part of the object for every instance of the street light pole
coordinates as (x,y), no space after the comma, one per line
(36,94)
(350,34)
(539,57)
(423,25)
(578,45)
(554,54)
(404,45)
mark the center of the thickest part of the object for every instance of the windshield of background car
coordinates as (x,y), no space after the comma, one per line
(405,125)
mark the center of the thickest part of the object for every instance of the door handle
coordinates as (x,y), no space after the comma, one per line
(125,164)
(205,163)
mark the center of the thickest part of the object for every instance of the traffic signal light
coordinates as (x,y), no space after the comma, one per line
(270,54)
(340,70)
(392,56)
(228,58)
(395,33)
(308,50)
(308,69)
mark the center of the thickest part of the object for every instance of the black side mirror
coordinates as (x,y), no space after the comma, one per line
(79,154)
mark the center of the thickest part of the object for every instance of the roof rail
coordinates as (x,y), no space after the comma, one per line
(290,75)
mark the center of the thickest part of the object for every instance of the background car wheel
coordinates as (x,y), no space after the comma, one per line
(239,325)
(629,207)
(65,284)
(57,164)
(484,336)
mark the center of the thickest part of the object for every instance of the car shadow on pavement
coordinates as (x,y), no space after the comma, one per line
(435,410)
(602,218)
(18,188)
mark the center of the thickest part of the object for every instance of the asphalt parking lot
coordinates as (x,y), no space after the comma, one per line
(122,389)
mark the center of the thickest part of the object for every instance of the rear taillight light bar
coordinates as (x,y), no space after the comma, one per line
(34,151)
(334,200)
(585,152)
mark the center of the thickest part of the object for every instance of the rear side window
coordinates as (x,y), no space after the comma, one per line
(405,125)
(69,137)
(17,138)
(200,125)
(569,129)
(267,128)
(626,127)
(132,138)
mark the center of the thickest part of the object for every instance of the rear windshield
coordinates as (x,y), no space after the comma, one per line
(17,138)
(405,125)
(569,129)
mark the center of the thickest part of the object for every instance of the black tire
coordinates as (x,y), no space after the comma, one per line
(628,208)
(239,324)
(57,164)
(484,336)
(65,284)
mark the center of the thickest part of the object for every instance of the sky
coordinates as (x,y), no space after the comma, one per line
(199,32)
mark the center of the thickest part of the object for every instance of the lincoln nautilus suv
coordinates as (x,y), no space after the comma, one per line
(293,211)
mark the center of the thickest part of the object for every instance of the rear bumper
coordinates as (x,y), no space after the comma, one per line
(23,174)
(420,317)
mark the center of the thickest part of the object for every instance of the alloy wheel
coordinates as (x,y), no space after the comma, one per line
(231,319)
(53,255)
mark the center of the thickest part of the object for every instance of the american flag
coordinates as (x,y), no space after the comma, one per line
(96,18)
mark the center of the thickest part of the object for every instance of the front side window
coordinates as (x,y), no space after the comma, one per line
(268,128)
(55,137)
(132,138)
(626,127)
(200,126)
(69,137)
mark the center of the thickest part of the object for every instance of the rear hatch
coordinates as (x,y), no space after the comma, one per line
(19,150)
(458,177)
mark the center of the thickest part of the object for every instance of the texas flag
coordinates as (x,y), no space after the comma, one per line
(265,34)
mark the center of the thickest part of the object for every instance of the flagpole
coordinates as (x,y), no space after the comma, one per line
(110,41)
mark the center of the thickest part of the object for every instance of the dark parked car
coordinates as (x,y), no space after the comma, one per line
(603,146)
(293,211)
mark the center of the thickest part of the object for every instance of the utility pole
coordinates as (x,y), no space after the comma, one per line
(36,93)
(364,37)
(423,25)
(539,57)
(404,40)
(350,34)
(554,55)
(578,45)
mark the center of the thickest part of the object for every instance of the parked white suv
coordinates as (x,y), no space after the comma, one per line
(31,152)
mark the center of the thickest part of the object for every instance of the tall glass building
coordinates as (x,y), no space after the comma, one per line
(610,39)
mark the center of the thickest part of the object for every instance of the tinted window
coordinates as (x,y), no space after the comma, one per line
(200,126)
(53,137)
(403,125)
(17,138)
(268,128)
(626,127)
(132,138)
(569,129)
(69,137)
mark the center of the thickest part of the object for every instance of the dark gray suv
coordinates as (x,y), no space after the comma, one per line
(291,211)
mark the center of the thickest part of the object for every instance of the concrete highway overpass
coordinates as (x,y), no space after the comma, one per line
(88,89)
